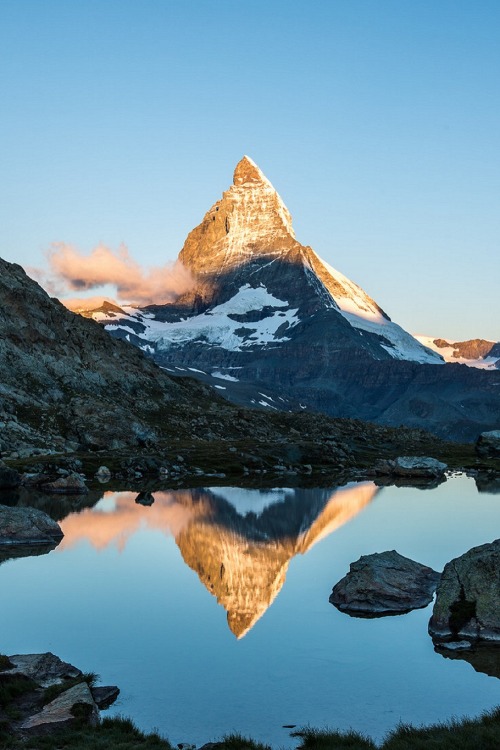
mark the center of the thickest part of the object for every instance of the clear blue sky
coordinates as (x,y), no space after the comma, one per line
(378,122)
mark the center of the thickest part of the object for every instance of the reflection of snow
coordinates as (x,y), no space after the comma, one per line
(251,501)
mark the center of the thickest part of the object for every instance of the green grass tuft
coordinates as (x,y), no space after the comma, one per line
(328,739)
(236,741)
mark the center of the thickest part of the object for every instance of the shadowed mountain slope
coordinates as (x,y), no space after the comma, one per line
(271,325)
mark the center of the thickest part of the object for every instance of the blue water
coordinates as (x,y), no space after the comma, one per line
(116,597)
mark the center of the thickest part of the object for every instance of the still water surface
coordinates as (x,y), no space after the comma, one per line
(210,608)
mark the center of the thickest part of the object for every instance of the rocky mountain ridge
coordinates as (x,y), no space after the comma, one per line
(271,325)
(67,386)
(479,353)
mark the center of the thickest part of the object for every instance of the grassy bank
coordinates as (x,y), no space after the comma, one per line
(482,733)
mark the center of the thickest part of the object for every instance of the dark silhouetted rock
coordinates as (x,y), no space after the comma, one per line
(488,444)
(105,696)
(468,597)
(384,583)
(145,498)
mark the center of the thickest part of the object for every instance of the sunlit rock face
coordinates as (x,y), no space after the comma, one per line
(271,325)
(240,553)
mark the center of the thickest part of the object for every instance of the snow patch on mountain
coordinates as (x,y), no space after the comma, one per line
(219,326)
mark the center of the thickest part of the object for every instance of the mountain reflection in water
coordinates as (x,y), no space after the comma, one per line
(239,542)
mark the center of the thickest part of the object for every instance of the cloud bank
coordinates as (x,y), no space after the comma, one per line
(72,271)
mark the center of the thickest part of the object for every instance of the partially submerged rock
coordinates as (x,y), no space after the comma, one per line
(145,498)
(488,444)
(468,597)
(411,466)
(384,583)
(103,474)
(27,526)
(73,484)
(104,697)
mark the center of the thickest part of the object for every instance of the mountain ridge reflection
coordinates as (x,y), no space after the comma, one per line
(242,559)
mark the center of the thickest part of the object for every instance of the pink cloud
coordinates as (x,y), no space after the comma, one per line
(72,271)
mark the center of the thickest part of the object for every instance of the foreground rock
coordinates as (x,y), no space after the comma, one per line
(467,603)
(384,583)
(411,466)
(27,526)
(67,710)
(70,702)
(488,444)
(45,669)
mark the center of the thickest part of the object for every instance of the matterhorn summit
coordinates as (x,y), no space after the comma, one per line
(269,324)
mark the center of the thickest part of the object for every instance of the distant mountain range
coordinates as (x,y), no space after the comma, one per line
(474,352)
(269,324)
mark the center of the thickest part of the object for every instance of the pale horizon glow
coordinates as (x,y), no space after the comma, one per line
(377,123)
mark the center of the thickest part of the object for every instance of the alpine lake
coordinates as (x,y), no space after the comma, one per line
(209,607)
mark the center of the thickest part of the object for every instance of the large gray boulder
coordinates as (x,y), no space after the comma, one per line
(468,597)
(27,526)
(384,583)
(411,466)
(488,444)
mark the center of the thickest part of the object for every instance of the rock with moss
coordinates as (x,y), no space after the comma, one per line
(467,603)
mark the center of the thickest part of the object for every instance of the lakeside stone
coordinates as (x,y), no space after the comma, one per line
(68,709)
(488,444)
(467,605)
(411,466)
(384,583)
(105,696)
(27,526)
(73,484)
(45,669)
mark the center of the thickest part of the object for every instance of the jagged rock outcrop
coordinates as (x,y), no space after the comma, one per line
(271,325)
(384,583)
(467,603)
